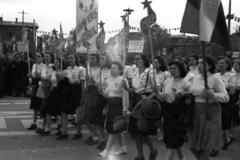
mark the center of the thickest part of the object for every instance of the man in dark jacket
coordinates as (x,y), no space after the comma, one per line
(21,71)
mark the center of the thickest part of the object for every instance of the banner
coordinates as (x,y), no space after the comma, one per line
(136,46)
(22,47)
(87,25)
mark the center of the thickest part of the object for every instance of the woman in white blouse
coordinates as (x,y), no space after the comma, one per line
(45,84)
(118,102)
(35,78)
(174,133)
(72,93)
(207,117)
(143,85)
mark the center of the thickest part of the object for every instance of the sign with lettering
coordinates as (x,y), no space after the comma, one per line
(22,47)
(87,25)
(136,46)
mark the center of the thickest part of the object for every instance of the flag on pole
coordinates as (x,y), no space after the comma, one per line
(206,18)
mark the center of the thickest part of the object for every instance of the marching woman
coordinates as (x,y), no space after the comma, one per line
(45,85)
(189,77)
(206,132)
(118,103)
(98,118)
(90,98)
(142,88)
(54,101)
(71,95)
(35,77)
(224,65)
(173,133)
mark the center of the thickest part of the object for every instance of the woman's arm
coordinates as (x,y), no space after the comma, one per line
(220,94)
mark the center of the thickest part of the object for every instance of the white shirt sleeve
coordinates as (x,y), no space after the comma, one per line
(220,94)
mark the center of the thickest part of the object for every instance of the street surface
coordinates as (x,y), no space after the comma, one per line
(17,143)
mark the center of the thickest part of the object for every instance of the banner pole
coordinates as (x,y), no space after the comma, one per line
(152,58)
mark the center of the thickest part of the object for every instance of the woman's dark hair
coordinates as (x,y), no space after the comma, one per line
(181,67)
(82,61)
(237,61)
(51,56)
(145,58)
(63,64)
(186,63)
(210,61)
(76,58)
(96,56)
(108,60)
(120,67)
(163,67)
(194,56)
(227,61)
(41,54)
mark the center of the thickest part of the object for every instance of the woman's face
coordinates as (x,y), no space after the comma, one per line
(93,61)
(175,72)
(39,58)
(47,58)
(104,60)
(236,67)
(222,65)
(71,60)
(200,66)
(115,70)
(56,64)
(156,64)
(139,61)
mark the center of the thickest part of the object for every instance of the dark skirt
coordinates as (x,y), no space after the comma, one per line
(36,102)
(132,126)
(173,132)
(226,115)
(115,109)
(98,118)
(71,98)
(89,103)
(53,105)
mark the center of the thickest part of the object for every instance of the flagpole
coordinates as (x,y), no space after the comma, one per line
(100,74)
(151,48)
(205,75)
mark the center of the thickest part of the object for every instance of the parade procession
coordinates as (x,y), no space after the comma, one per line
(132,80)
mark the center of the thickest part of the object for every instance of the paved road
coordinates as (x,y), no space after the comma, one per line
(17,143)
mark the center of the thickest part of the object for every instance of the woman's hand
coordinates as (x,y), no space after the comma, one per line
(208,93)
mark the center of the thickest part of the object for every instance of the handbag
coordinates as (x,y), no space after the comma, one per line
(31,90)
(40,93)
(120,123)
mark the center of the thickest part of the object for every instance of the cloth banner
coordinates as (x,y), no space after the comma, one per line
(87,25)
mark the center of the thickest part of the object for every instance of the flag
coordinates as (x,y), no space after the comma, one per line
(206,18)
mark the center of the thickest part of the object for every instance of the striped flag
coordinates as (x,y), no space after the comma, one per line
(206,18)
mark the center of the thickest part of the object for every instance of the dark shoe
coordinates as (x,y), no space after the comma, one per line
(89,139)
(214,153)
(225,146)
(77,136)
(58,127)
(59,133)
(71,120)
(102,145)
(139,158)
(32,127)
(63,137)
(39,131)
(45,133)
(153,155)
(92,142)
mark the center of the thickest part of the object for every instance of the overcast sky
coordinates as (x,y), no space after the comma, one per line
(49,13)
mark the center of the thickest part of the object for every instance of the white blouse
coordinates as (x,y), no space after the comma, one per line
(162,77)
(173,86)
(94,73)
(215,83)
(189,77)
(228,79)
(73,74)
(47,71)
(54,81)
(139,81)
(106,74)
(37,69)
(128,72)
(114,89)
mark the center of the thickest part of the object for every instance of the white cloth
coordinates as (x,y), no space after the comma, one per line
(128,72)
(37,68)
(54,81)
(162,77)
(228,79)
(139,81)
(114,89)
(189,77)
(73,74)
(47,71)
(215,83)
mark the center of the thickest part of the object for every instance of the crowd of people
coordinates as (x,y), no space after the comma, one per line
(166,98)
